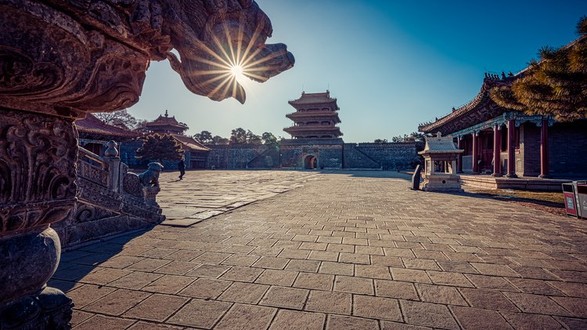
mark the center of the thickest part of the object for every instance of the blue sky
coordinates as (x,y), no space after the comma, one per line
(391,64)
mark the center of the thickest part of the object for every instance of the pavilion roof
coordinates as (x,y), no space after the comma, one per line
(314,98)
(94,127)
(190,142)
(479,109)
(166,121)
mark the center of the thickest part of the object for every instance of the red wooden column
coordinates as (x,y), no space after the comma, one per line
(544,149)
(496,151)
(511,149)
(475,158)
(460,158)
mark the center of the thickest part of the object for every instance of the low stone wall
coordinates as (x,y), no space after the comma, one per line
(389,156)
(234,157)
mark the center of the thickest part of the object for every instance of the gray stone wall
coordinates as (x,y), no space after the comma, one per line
(568,149)
(389,156)
(232,157)
(329,153)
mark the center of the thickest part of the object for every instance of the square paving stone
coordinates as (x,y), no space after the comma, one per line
(244,293)
(285,297)
(530,303)
(277,277)
(294,253)
(247,317)
(488,299)
(242,274)
(314,281)
(353,284)
(395,289)
(491,282)
(156,307)
(177,267)
(213,271)
(377,308)
(211,258)
(323,255)
(271,262)
(104,322)
(329,302)
(409,275)
(577,306)
(373,271)
(303,265)
(117,302)
(337,322)
(148,265)
(427,314)
(495,269)
(295,320)
(142,325)
(240,260)
(200,313)
(336,268)
(169,284)
(386,261)
(475,318)
(532,321)
(449,278)
(354,258)
(104,276)
(88,293)
(206,288)
(135,280)
(440,294)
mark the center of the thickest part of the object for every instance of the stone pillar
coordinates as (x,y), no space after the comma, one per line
(38,156)
(111,156)
(460,156)
(544,148)
(496,151)
(475,158)
(511,140)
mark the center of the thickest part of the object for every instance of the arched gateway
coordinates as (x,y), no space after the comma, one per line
(310,162)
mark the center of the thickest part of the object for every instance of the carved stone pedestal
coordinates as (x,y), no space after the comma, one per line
(38,155)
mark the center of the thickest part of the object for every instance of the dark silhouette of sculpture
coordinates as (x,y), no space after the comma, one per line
(60,59)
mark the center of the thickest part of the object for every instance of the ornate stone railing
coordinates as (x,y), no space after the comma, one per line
(111,200)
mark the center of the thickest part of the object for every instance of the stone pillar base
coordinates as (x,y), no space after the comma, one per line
(50,309)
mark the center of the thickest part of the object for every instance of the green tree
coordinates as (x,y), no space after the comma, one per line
(204,137)
(160,147)
(118,118)
(253,138)
(238,136)
(556,85)
(380,141)
(219,140)
(269,139)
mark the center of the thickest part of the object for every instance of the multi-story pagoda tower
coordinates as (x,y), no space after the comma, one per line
(316,117)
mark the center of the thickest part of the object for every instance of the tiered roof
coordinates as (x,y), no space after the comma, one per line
(166,124)
(478,110)
(316,116)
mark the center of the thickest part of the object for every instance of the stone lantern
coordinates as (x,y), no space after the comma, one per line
(60,60)
(440,164)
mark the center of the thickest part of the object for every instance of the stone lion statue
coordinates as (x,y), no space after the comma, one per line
(150,178)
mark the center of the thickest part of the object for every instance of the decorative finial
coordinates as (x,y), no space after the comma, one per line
(166,115)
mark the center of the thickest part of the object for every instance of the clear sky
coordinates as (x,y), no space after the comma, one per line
(390,64)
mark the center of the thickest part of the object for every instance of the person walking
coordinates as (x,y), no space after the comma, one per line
(181,168)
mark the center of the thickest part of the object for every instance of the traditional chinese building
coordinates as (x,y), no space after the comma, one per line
(195,153)
(94,134)
(500,141)
(316,117)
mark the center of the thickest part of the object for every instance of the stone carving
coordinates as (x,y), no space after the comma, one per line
(60,59)
(97,60)
(37,167)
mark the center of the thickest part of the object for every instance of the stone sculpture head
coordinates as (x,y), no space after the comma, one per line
(211,36)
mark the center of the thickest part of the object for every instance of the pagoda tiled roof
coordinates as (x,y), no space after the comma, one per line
(479,109)
(93,126)
(190,143)
(166,121)
(318,115)
(314,98)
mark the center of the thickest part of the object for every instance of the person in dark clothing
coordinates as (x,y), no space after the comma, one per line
(181,168)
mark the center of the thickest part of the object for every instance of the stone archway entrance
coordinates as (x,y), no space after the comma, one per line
(310,162)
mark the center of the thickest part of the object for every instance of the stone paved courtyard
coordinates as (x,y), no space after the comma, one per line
(355,250)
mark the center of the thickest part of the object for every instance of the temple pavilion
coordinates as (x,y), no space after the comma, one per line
(316,117)
(505,142)
(195,153)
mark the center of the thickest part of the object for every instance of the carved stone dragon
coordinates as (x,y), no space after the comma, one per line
(94,53)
